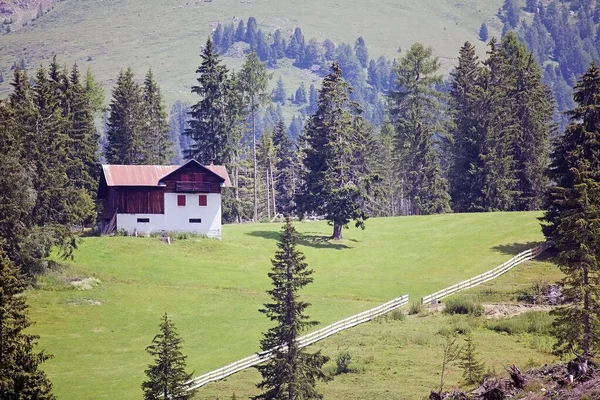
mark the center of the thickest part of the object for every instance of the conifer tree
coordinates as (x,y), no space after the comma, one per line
(533,108)
(291,373)
(362,54)
(166,376)
(414,109)
(466,178)
(125,128)
(472,368)
(329,185)
(20,376)
(254,81)
(572,221)
(210,122)
(286,169)
(300,96)
(157,144)
(279,92)
(94,92)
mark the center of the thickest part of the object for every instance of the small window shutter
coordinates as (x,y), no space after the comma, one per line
(181,199)
(202,200)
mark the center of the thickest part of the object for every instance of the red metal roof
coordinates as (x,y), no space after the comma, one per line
(150,175)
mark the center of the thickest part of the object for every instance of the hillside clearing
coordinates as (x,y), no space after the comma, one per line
(213,289)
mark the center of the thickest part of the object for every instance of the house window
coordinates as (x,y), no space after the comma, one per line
(202,200)
(181,199)
(195,220)
(143,220)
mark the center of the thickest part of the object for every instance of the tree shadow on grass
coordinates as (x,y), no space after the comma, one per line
(309,240)
(514,249)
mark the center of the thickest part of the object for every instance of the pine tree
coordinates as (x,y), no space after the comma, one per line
(84,136)
(167,376)
(414,109)
(572,221)
(329,185)
(466,173)
(254,81)
(300,96)
(483,32)
(291,373)
(210,121)
(20,376)
(279,92)
(267,160)
(125,128)
(157,144)
(94,92)
(240,32)
(472,368)
(286,169)
(362,54)
(533,109)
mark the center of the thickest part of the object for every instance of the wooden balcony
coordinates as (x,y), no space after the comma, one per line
(192,187)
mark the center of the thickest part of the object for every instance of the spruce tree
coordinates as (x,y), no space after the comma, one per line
(210,122)
(533,109)
(330,186)
(286,169)
(166,376)
(157,144)
(254,81)
(572,221)
(362,54)
(300,96)
(279,92)
(466,172)
(291,373)
(20,376)
(472,368)
(125,128)
(415,109)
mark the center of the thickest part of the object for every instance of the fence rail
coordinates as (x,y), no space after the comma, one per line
(303,341)
(486,276)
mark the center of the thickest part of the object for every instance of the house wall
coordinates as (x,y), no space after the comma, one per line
(176,218)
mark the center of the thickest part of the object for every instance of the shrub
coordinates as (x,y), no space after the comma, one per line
(415,308)
(397,315)
(532,294)
(462,305)
(121,232)
(343,363)
(534,322)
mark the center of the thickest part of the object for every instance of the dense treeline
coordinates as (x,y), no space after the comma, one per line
(564,36)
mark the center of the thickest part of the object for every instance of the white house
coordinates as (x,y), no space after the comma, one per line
(155,198)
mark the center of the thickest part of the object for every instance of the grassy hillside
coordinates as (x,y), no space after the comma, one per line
(167,35)
(213,289)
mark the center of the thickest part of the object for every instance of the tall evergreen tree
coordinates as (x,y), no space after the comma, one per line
(300,96)
(254,81)
(157,144)
(291,373)
(362,54)
(572,221)
(329,185)
(167,376)
(210,122)
(286,169)
(279,92)
(466,178)
(414,109)
(20,376)
(533,109)
(125,126)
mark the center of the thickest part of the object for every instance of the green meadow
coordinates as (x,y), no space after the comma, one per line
(212,290)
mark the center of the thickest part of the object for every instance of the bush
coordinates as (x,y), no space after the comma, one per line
(415,308)
(463,306)
(121,232)
(343,363)
(532,294)
(534,322)
(397,315)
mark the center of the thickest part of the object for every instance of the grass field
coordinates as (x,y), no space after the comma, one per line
(167,35)
(213,289)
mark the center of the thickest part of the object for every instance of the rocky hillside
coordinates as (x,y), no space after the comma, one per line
(16,14)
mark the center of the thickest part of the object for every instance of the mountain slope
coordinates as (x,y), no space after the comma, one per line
(167,35)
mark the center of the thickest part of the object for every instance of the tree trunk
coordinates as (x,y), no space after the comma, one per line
(337,231)
(254,160)
(268,194)
(586,312)
(273,188)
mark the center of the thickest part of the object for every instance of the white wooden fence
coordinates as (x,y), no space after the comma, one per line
(303,341)
(486,276)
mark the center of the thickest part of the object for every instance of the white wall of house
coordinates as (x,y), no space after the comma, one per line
(177,218)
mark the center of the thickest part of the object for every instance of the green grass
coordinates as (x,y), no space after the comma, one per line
(213,289)
(167,36)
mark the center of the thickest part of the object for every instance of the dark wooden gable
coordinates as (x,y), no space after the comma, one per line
(192,177)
